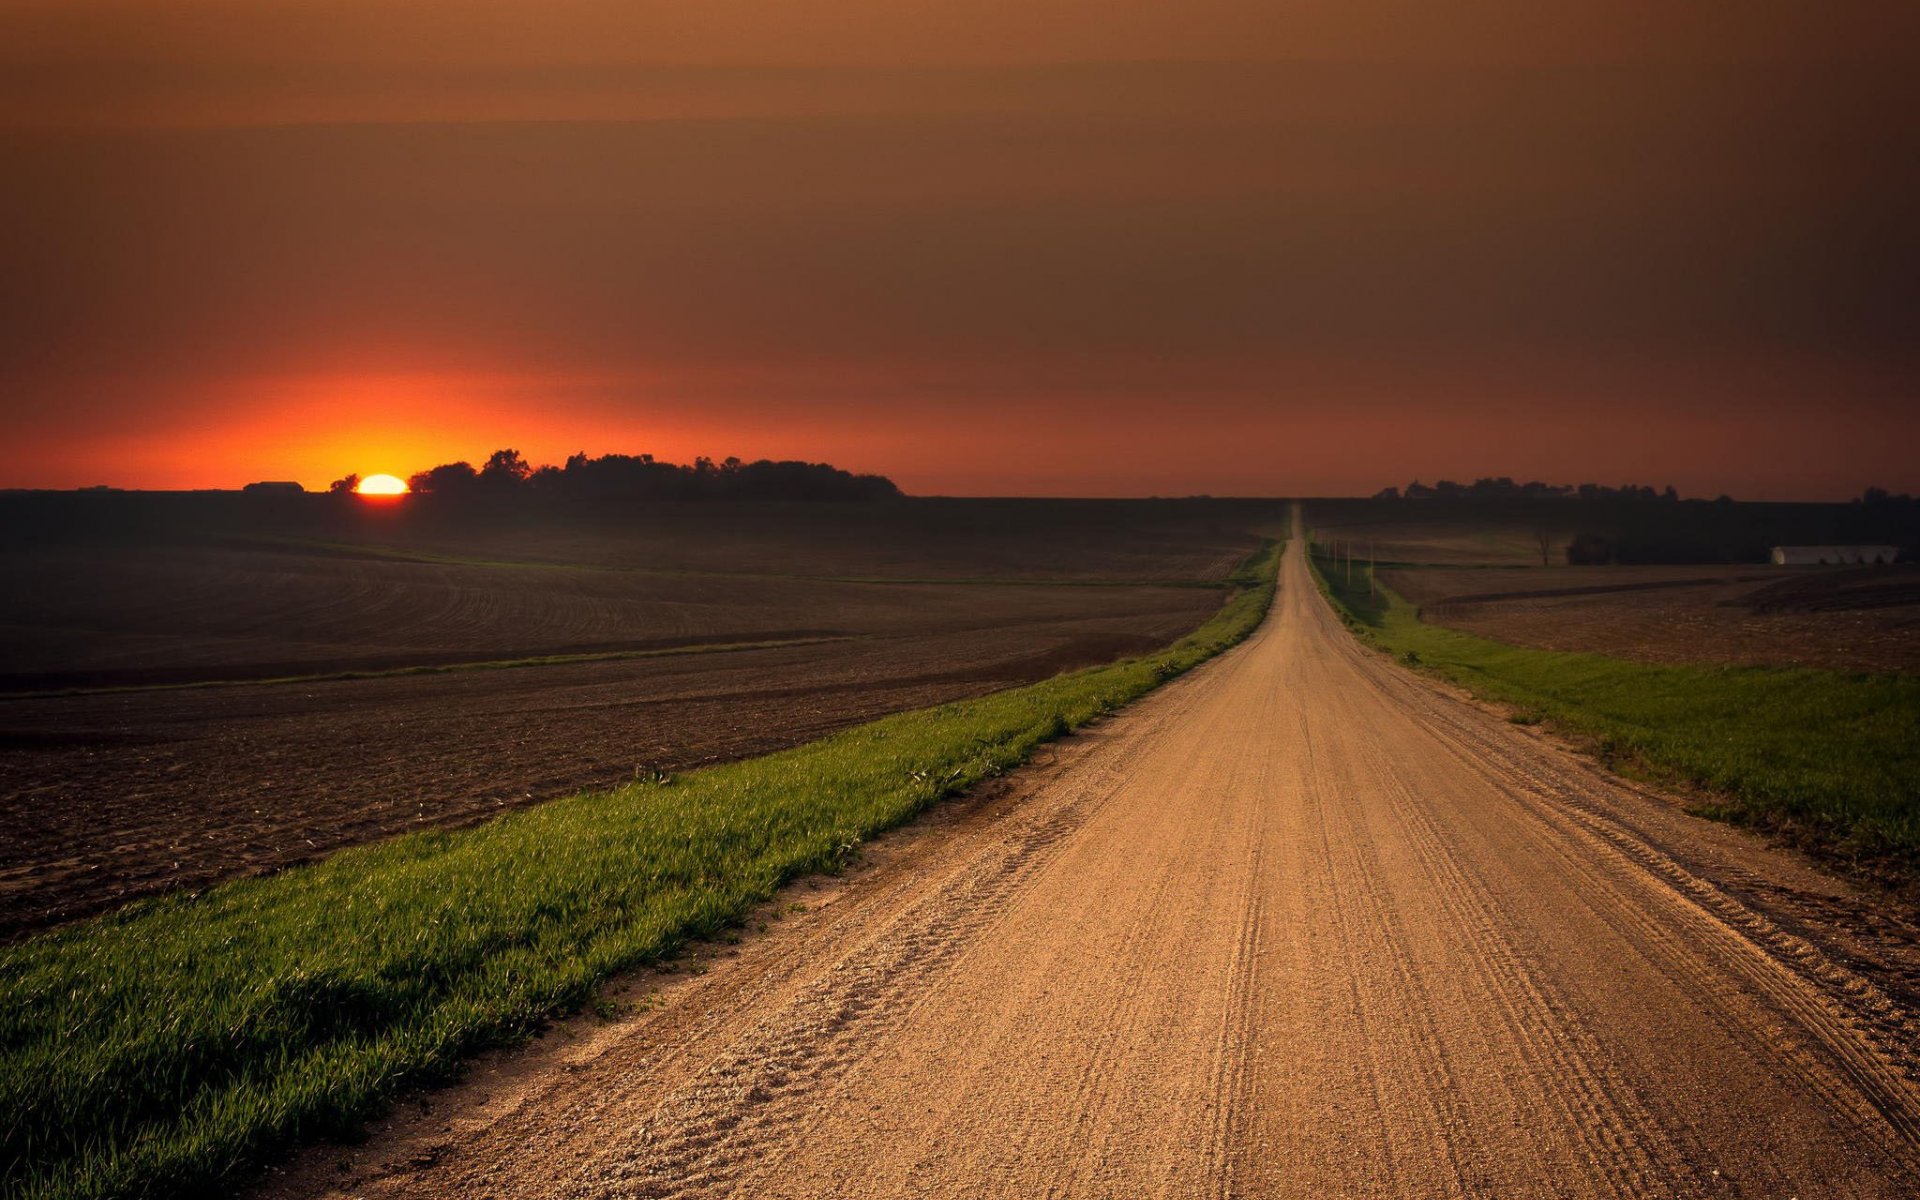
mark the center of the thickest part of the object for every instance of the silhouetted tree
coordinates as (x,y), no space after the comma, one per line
(641,476)
(447,477)
(505,469)
(344,485)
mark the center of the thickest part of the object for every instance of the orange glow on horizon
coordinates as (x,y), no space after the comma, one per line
(382,485)
(312,426)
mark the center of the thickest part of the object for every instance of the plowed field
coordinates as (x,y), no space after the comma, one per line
(674,647)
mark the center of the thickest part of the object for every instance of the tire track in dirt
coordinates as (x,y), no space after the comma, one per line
(1545,1030)
(1863,1031)
(713,1131)
(1300,924)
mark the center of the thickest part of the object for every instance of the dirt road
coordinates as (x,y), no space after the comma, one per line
(1297,925)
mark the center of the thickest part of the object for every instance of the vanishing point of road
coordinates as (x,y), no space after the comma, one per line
(1298,924)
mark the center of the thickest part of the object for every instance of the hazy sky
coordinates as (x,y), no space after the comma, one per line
(1038,247)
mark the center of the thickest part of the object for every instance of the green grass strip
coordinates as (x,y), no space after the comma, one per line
(171,1047)
(1828,759)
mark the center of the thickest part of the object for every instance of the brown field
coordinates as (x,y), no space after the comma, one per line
(1859,619)
(118,782)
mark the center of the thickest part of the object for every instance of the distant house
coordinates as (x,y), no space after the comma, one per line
(1822,556)
(275,487)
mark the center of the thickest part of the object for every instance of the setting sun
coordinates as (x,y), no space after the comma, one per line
(382,485)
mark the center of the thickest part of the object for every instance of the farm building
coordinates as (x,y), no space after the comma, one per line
(1790,556)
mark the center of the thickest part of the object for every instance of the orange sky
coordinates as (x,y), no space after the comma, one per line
(1048,247)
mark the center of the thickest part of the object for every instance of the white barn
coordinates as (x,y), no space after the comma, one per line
(1820,556)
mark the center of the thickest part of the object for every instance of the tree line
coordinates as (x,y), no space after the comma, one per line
(1504,488)
(643,477)
(1594,524)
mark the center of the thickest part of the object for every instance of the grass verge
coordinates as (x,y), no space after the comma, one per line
(1827,759)
(169,1048)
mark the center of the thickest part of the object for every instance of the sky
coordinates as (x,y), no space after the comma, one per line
(1047,247)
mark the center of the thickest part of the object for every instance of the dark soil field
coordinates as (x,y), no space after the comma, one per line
(172,710)
(1847,619)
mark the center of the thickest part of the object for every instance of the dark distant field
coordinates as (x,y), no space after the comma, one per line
(1854,619)
(1394,534)
(1634,532)
(197,686)
(1476,567)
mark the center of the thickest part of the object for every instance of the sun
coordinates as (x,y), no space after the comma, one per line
(382,485)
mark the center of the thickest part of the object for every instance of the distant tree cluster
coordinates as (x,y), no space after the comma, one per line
(1632,533)
(1504,488)
(1879,497)
(1590,550)
(643,477)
